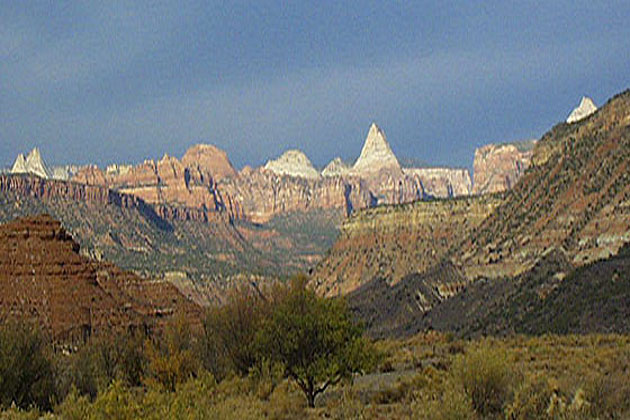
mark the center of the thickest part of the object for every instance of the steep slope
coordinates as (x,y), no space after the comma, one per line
(43,278)
(550,298)
(575,196)
(391,242)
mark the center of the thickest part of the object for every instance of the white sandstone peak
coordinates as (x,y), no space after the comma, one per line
(336,167)
(293,163)
(19,166)
(376,154)
(32,164)
(586,108)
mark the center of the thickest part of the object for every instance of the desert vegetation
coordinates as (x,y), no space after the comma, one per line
(286,353)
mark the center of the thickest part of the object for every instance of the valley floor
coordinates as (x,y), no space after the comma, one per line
(430,376)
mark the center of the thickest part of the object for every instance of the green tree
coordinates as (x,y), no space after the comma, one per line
(314,338)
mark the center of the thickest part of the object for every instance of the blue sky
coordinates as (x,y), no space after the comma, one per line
(122,82)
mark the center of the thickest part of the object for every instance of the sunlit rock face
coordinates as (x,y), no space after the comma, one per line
(293,163)
(32,164)
(376,156)
(587,107)
(497,167)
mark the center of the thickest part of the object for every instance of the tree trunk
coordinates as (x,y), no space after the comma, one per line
(310,397)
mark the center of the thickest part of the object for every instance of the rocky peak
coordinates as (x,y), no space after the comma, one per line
(209,158)
(293,163)
(33,164)
(376,155)
(336,167)
(586,108)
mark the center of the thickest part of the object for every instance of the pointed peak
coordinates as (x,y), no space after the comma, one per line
(376,154)
(586,108)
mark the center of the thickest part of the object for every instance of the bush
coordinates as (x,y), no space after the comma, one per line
(229,342)
(170,358)
(26,370)
(486,378)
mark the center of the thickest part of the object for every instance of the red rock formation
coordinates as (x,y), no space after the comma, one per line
(44,279)
(497,167)
(210,159)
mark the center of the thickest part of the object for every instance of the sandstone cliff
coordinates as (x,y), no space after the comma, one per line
(497,167)
(43,278)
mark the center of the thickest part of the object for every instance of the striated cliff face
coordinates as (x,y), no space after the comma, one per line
(262,194)
(441,182)
(43,278)
(391,242)
(497,167)
(575,197)
(165,183)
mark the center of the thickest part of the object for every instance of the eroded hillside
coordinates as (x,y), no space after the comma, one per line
(391,242)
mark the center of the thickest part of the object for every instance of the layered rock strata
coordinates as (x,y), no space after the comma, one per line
(497,167)
(44,279)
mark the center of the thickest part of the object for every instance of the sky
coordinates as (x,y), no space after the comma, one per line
(114,81)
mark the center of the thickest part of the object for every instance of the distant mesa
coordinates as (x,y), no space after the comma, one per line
(376,155)
(497,167)
(293,163)
(587,107)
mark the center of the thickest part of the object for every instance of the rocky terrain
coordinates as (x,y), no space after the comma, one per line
(497,167)
(559,235)
(575,196)
(204,254)
(390,242)
(44,279)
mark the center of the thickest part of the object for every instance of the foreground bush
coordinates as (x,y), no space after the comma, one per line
(26,371)
(486,377)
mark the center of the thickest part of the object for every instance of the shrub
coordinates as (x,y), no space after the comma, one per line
(26,371)
(171,359)
(486,377)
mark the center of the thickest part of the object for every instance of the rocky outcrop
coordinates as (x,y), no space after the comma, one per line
(209,159)
(32,164)
(575,196)
(263,194)
(293,163)
(391,242)
(167,182)
(336,167)
(44,279)
(586,108)
(497,167)
(441,182)
(376,156)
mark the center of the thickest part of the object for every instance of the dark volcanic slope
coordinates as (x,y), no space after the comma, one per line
(44,279)
(394,310)
(593,298)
